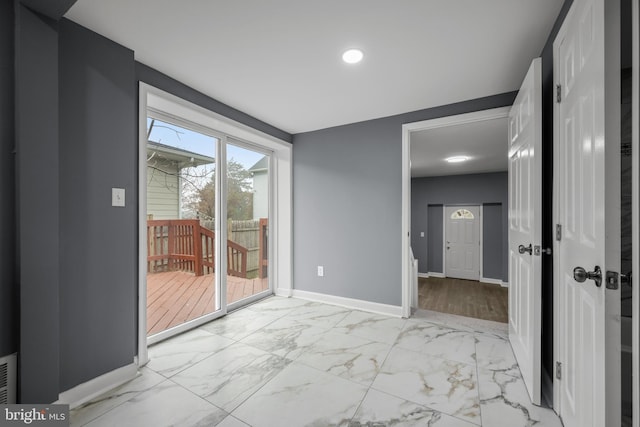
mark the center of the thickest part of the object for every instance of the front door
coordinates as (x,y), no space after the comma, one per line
(583,217)
(462,242)
(525,223)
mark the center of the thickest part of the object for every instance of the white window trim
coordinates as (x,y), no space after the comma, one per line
(281,190)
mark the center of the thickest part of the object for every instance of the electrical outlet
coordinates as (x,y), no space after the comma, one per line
(320,271)
(422,234)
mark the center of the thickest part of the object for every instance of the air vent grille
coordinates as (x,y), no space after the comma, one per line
(8,379)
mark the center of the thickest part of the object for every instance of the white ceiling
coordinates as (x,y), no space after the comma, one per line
(279,60)
(484,142)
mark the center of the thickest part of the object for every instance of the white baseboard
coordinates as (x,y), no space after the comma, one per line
(433,274)
(283,292)
(423,275)
(357,304)
(84,392)
(504,284)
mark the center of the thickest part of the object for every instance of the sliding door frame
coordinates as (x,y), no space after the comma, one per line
(280,197)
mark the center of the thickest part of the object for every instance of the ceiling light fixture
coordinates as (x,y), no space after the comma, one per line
(457,159)
(352,56)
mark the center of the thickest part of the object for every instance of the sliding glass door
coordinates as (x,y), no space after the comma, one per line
(207,245)
(247,197)
(180,243)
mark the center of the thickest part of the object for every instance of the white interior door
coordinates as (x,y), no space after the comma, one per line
(462,242)
(585,182)
(525,224)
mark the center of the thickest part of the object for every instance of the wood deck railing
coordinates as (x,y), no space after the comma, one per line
(184,245)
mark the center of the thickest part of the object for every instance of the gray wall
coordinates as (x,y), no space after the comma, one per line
(98,242)
(347,204)
(428,249)
(76,138)
(428,195)
(37,200)
(162,81)
(8,284)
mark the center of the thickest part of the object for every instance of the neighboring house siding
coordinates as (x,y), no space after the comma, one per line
(261,195)
(163,193)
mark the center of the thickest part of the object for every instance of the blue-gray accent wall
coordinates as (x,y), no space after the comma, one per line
(428,195)
(347,184)
(8,282)
(36,109)
(68,289)
(98,242)
(159,80)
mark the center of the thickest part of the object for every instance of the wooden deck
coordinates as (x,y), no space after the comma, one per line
(176,297)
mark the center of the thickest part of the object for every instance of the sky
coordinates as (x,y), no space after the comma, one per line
(179,137)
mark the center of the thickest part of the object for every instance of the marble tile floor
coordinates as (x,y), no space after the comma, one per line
(288,362)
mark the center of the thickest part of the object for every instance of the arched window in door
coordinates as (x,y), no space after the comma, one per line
(462,214)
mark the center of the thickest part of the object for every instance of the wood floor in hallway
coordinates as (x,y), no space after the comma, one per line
(464,297)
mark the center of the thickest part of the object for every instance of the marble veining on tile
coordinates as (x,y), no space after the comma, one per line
(145,380)
(439,341)
(177,353)
(495,354)
(239,324)
(318,315)
(164,405)
(285,337)
(231,375)
(381,409)
(291,362)
(504,402)
(375,327)
(350,357)
(278,306)
(301,395)
(463,323)
(444,385)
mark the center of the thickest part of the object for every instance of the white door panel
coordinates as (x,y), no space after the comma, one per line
(462,242)
(525,199)
(580,210)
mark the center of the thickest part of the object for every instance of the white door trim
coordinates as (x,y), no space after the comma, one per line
(407,129)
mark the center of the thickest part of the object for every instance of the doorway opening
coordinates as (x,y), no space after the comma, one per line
(459,212)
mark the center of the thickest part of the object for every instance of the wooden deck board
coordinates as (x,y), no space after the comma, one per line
(176,297)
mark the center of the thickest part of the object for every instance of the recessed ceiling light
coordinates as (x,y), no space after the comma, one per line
(457,159)
(352,56)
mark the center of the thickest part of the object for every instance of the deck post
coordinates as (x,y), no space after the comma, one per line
(197,248)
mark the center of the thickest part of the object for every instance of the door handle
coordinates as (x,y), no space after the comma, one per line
(522,249)
(580,275)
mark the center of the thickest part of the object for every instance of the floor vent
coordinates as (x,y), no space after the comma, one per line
(8,379)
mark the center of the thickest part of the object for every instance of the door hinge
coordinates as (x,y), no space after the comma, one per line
(558,370)
(558,232)
(558,93)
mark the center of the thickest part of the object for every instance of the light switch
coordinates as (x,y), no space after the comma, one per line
(422,234)
(117,197)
